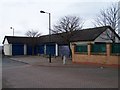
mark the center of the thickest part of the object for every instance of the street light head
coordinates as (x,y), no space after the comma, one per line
(10,27)
(42,11)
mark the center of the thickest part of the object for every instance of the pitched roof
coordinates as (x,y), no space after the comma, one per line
(18,39)
(81,35)
(36,40)
(55,38)
(88,34)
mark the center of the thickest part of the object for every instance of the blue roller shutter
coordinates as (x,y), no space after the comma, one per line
(50,49)
(40,49)
(29,50)
(17,49)
(35,50)
(64,50)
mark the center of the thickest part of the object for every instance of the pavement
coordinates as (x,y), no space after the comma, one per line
(55,62)
(41,60)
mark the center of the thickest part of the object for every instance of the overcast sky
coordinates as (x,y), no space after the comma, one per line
(24,15)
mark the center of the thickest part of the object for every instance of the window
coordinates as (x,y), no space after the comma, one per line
(81,48)
(98,48)
(115,48)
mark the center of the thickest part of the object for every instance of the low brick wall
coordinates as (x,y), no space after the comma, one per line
(101,59)
(90,58)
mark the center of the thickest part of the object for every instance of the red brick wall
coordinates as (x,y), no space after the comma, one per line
(106,59)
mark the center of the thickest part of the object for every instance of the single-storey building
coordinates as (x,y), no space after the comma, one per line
(91,45)
(95,47)
(16,45)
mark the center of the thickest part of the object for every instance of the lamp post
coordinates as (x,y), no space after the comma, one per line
(12,29)
(49,33)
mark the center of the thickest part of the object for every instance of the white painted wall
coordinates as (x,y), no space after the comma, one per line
(104,38)
(117,40)
(25,49)
(8,49)
(45,49)
(56,49)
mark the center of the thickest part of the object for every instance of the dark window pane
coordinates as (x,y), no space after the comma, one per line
(81,48)
(116,48)
(98,48)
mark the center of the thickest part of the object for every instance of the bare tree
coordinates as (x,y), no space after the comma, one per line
(66,26)
(33,33)
(108,17)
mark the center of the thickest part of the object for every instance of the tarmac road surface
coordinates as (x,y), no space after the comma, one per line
(21,75)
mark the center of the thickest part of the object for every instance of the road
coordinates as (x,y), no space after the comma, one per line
(20,75)
(8,64)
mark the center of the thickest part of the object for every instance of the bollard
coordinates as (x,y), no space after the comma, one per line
(49,58)
(64,60)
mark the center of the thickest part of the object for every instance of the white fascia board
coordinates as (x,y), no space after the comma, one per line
(6,41)
(82,42)
(103,37)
